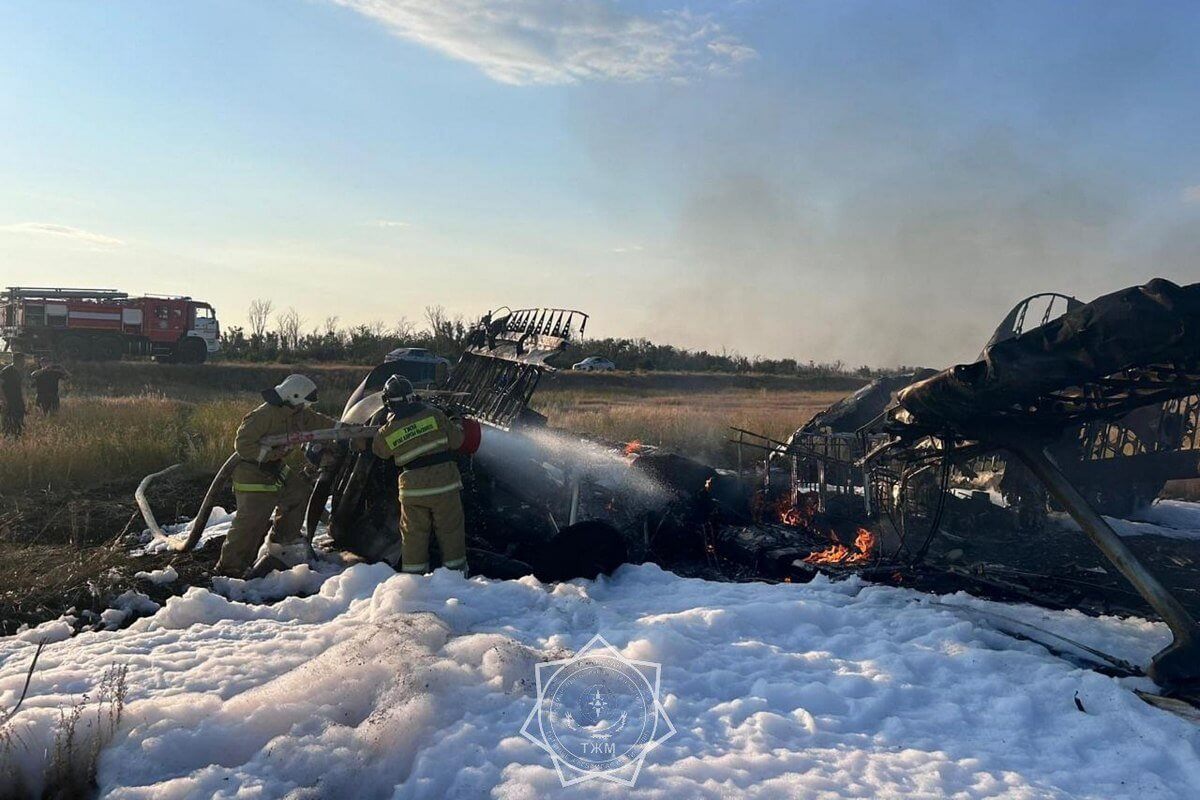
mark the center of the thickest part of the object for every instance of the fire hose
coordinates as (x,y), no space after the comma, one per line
(140,496)
(266,444)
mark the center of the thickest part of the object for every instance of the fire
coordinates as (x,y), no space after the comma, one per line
(633,447)
(842,555)
(798,514)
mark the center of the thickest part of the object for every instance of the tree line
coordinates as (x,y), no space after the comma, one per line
(273,335)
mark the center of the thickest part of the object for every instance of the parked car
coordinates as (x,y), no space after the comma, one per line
(594,364)
(419,365)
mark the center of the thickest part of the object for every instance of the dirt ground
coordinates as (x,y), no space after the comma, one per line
(67,552)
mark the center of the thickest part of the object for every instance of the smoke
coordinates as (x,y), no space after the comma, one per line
(889,185)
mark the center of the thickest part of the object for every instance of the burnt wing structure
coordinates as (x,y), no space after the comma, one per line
(1095,408)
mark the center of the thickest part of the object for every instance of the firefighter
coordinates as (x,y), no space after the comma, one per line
(424,442)
(272,489)
(14,397)
(45,381)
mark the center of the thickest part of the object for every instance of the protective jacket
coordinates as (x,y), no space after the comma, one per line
(14,400)
(10,386)
(46,379)
(252,476)
(422,441)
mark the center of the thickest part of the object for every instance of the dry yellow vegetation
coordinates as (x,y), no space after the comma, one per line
(694,424)
(92,439)
(96,439)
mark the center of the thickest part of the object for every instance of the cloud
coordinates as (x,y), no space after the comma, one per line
(629,248)
(387,223)
(1191,194)
(551,42)
(63,232)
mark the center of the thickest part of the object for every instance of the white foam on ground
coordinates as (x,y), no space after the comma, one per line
(159,577)
(1175,515)
(1171,519)
(218,526)
(382,685)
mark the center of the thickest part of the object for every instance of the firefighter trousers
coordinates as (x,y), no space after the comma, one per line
(441,515)
(281,512)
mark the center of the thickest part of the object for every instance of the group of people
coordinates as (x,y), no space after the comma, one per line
(272,487)
(46,380)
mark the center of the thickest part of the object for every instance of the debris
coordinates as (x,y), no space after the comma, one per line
(1094,409)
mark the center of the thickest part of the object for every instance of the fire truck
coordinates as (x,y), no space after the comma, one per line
(104,324)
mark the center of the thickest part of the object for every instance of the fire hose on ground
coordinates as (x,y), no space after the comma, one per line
(341,433)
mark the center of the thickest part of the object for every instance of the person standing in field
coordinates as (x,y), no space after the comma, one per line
(424,443)
(45,381)
(272,488)
(14,396)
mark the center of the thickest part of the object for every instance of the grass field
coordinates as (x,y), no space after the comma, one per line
(122,421)
(692,423)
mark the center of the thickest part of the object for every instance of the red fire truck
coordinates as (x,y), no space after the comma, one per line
(104,324)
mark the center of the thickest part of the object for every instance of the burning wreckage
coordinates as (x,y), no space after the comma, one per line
(1090,412)
(959,479)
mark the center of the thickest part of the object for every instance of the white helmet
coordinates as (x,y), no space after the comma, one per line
(296,390)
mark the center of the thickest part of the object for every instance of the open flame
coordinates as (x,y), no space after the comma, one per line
(798,512)
(633,447)
(842,555)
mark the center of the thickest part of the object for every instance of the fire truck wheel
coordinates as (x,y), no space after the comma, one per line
(109,348)
(191,351)
(74,348)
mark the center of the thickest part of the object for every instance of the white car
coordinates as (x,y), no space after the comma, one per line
(594,364)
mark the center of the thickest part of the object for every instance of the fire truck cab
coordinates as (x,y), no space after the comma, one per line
(104,324)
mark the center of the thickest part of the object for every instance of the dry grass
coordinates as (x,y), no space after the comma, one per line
(82,733)
(90,440)
(94,440)
(694,424)
(200,383)
(1184,490)
(211,427)
(97,439)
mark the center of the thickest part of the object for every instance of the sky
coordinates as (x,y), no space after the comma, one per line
(871,182)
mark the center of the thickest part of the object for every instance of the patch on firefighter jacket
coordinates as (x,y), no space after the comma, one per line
(411,431)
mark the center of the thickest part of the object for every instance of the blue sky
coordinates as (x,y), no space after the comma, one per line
(876,182)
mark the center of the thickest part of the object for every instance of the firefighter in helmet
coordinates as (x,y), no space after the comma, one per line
(424,443)
(272,488)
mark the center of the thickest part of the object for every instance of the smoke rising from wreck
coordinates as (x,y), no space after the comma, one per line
(876,211)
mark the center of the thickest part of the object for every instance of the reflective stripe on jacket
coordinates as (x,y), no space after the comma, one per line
(421,430)
(284,472)
(429,491)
